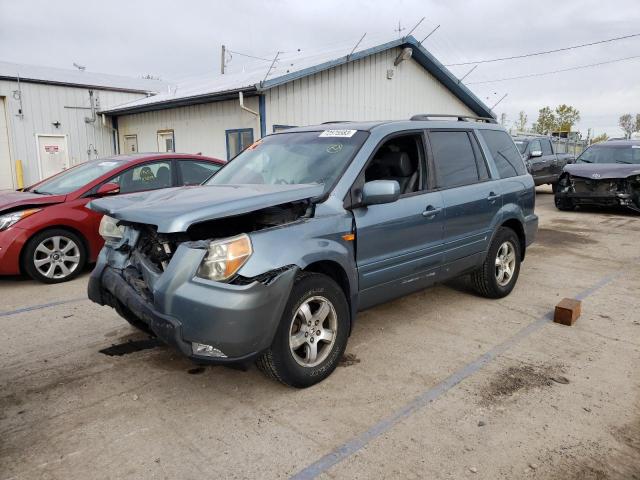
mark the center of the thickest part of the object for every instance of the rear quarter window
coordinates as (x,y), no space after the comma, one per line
(504,152)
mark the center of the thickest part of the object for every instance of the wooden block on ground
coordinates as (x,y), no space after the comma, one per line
(567,311)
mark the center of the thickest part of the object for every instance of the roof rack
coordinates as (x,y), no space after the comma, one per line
(335,121)
(461,118)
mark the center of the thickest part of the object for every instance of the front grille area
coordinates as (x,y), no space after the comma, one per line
(583,185)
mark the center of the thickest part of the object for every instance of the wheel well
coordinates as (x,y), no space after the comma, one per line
(85,244)
(517,227)
(335,271)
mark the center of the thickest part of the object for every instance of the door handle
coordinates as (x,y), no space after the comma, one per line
(492,197)
(431,211)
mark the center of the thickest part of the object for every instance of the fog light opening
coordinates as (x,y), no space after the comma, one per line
(206,350)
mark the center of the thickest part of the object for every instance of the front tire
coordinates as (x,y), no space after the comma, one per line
(312,334)
(499,273)
(54,256)
(564,204)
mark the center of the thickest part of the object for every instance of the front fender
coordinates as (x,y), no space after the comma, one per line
(303,243)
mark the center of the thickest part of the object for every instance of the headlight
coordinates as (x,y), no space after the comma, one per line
(225,257)
(110,230)
(12,218)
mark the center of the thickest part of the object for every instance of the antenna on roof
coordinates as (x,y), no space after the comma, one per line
(414,27)
(356,46)
(467,74)
(430,33)
(399,29)
(275,59)
(496,104)
(82,68)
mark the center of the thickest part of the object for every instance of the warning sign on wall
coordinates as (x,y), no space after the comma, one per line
(51,148)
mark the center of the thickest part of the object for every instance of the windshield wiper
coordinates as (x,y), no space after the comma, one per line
(584,161)
(622,161)
(40,192)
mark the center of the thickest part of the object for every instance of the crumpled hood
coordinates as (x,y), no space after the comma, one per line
(176,209)
(599,171)
(11,200)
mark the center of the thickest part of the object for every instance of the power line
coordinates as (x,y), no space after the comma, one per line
(540,74)
(249,56)
(546,51)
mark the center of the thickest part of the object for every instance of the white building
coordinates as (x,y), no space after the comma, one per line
(49,121)
(219,115)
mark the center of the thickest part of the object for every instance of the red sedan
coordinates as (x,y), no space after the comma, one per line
(46,231)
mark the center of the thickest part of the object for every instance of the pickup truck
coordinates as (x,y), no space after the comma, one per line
(543,162)
(270,260)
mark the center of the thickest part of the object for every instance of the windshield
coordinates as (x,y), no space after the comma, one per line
(74,178)
(522,145)
(610,154)
(293,158)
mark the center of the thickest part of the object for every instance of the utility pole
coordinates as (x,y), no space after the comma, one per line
(223,53)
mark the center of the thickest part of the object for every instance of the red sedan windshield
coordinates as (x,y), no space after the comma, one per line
(76,177)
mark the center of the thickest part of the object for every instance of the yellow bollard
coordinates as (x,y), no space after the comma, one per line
(19,174)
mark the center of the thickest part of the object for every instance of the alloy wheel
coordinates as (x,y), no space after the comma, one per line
(56,257)
(505,263)
(313,331)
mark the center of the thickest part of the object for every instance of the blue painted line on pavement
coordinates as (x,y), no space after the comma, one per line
(41,307)
(355,444)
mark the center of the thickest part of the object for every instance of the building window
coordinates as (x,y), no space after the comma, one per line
(238,140)
(166,141)
(280,128)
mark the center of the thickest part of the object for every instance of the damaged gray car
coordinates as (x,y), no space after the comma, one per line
(606,174)
(271,259)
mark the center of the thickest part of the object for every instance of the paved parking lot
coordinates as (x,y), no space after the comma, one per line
(441,384)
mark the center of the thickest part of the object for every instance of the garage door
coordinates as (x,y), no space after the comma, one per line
(6,172)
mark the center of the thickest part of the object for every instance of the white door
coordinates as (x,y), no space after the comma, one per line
(166,142)
(52,154)
(130,144)
(6,172)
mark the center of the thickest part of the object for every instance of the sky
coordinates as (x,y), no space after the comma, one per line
(174,40)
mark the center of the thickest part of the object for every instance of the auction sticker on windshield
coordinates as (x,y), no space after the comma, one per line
(338,133)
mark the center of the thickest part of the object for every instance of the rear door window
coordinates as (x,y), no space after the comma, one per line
(194,173)
(505,154)
(453,158)
(546,146)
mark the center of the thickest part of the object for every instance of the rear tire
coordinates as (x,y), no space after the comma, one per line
(54,256)
(300,356)
(499,273)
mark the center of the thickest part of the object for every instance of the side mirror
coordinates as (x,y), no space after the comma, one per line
(380,191)
(535,153)
(108,189)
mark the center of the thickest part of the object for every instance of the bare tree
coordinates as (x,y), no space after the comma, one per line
(521,123)
(627,124)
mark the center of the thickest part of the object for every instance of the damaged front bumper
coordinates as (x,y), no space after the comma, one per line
(603,199)
(238,321)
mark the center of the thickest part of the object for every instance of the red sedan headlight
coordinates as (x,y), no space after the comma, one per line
(10,219)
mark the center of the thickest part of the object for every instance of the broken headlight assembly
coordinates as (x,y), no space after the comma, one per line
(225,257)
(10,219)
(110,230)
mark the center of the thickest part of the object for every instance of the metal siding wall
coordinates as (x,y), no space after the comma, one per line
(197,128)
(360,90)
(42,106)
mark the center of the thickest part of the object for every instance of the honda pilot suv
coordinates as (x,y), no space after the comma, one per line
(271,259)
